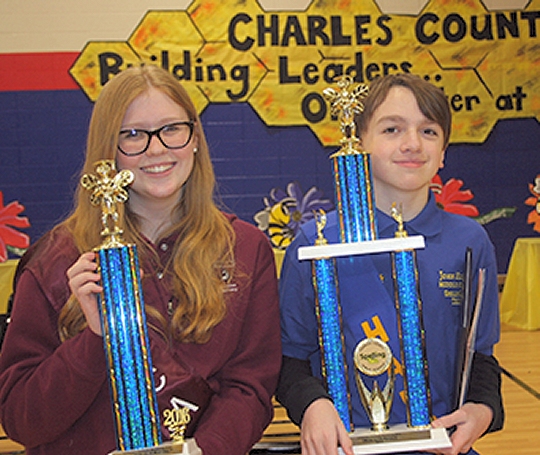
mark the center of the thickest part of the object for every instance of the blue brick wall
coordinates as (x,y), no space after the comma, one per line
(41,148)
(42,139)
(498,173)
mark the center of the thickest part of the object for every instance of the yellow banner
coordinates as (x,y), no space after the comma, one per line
(487,62)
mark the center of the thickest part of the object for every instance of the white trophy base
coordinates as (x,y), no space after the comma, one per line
(188,447)
(398,438)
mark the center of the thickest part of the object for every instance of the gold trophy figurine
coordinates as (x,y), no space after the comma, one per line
(107,190)
(345,103)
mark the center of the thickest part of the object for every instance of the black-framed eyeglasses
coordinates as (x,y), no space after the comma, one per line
(175,135)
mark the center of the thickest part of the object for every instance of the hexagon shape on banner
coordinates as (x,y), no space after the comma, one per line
(98,62)
(272,98)
(284,5)
(218,20)
(471,103)
(409,7)
(519,63)
(505,5)
(162,35)
(445,29)
(171,40)
(223,75)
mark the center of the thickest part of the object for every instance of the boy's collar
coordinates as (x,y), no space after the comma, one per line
(427,223)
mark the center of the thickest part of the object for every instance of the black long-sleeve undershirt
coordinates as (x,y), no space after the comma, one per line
(298,388)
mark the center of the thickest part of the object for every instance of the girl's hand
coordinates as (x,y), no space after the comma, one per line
(83,282)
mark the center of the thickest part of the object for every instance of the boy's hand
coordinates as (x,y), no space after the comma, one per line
(471,422)
(323,431)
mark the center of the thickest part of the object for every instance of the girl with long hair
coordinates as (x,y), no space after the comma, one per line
(208,282)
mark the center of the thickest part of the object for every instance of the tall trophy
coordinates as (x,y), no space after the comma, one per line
(373,359)
(125,334)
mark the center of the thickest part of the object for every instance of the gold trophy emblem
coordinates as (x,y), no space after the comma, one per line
(176,421)
(373,357)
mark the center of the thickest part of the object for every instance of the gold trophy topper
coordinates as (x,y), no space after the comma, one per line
(397,215)
(345,103)
(107,189)
(320,221)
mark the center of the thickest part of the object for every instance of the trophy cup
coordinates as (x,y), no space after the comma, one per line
(125,335)
(372,357)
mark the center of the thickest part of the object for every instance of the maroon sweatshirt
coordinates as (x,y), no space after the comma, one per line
(55,399)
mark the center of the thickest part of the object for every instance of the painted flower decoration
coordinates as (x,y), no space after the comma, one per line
(9,219)
(285,212)
(534,200)
(450,197)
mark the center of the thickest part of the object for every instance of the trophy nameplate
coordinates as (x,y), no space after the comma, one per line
(188,447)
(397,439)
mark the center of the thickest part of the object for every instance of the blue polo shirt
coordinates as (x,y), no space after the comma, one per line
(367,300)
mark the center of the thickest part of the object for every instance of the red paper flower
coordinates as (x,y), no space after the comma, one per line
(534,200)
(450,196)
(8,235)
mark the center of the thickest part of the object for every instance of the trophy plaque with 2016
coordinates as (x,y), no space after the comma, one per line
(125,334)
(373,359)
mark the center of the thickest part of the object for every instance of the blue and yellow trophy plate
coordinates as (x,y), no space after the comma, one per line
(123,322)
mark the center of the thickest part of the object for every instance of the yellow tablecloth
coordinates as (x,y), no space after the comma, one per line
(7,270)
(520,299)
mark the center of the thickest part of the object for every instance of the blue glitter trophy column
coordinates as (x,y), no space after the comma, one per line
(334,365)
(123,322)
(411,331)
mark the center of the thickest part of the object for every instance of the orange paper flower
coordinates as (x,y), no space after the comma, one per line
(8,220)
(534,200)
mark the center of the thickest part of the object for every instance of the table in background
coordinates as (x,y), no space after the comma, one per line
(9,447)
(7,270)
(520,299)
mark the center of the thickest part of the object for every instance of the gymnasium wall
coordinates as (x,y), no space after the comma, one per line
(273,130)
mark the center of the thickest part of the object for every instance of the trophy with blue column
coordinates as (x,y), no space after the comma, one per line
(328,310)
(372,357)
(125,334)
(411,331)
